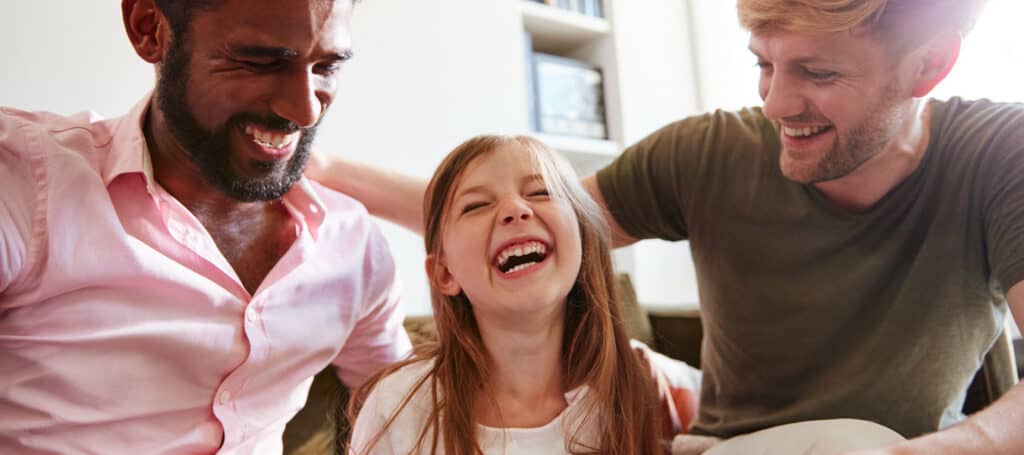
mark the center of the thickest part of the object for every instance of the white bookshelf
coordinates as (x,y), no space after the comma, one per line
(585,155)
(588,39)
(558,31)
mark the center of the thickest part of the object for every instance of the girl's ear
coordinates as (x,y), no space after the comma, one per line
(440,277)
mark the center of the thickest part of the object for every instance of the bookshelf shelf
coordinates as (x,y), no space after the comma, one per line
(585,155)
(558,31)
(579,145)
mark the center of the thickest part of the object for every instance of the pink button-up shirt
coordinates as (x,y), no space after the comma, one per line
(124,330)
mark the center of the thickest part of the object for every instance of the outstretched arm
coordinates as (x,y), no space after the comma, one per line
(387,194)
(619,236)
(995,429)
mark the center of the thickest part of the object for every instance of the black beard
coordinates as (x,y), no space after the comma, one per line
(209,150)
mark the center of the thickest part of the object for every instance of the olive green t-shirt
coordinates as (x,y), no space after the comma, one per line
(812,312)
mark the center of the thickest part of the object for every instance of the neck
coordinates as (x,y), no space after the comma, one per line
(176,173)
(526,377)
(861,189)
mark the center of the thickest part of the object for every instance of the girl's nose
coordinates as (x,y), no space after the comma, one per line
(516,211)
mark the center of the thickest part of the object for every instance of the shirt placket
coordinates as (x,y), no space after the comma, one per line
(229,405)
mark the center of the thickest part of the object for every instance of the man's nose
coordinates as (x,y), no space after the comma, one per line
(297,99)
(515,211)
(781,98)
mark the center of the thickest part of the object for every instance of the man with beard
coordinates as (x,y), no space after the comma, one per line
(857,246)
(169,282)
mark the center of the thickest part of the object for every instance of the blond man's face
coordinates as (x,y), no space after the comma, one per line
(837,100)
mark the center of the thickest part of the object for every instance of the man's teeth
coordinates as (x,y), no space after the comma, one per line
(269,139)
(802,132)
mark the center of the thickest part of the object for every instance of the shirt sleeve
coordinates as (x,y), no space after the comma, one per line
(379,338)
(1004,207)
(19,201)
(650,189)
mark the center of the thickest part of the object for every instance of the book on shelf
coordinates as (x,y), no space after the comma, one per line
(585,7)
(567,97)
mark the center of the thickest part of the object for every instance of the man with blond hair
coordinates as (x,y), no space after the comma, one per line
(857,245)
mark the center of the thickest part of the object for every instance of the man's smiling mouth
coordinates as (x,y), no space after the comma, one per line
(271,139)
(806,131)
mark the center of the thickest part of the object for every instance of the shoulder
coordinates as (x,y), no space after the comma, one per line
(348,223)
(392,389)
(980,123)
(748,123)
(394,396)
(337,201)
(27,132)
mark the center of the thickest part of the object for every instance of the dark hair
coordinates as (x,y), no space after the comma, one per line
(179,13)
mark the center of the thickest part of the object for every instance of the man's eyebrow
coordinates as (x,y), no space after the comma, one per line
(284,53)
(265,52)
(339,56)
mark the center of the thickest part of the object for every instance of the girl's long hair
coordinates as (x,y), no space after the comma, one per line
(621,400)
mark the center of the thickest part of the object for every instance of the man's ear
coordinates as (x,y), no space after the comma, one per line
(147,28)
(936,62)
(440,276)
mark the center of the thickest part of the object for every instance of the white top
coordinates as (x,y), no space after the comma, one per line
(402,435)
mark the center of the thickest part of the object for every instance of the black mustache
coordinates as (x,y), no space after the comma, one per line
(266,122)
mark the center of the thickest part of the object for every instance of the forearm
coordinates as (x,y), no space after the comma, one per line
(996,429)
(387,194)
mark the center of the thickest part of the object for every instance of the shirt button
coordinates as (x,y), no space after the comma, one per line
(250,314)
(313,208)
(224,397)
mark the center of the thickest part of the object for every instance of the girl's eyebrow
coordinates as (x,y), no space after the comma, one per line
(483,189)
(532,178)
(473,189)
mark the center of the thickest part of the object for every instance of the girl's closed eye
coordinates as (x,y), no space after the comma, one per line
(471,206)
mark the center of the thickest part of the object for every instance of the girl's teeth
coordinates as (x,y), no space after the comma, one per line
(520,267)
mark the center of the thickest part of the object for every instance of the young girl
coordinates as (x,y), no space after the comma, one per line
(532,356)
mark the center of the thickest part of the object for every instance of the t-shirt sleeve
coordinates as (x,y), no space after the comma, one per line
(379,338)
(19,203)
(1004,207)
(650,189)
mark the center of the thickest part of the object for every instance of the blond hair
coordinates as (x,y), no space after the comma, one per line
(897,22)
(622,397)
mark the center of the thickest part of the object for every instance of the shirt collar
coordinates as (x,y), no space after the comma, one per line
(129,154)
(128,151)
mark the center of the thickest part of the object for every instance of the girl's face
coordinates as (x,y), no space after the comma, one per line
(510,246)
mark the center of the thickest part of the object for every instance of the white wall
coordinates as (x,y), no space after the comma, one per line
(657,84)
(68,56)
